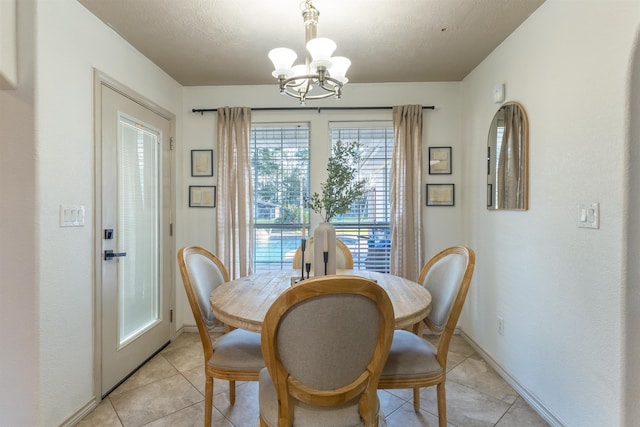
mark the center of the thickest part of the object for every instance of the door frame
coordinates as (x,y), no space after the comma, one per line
(101,79)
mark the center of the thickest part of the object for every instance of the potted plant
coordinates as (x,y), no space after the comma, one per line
(339,192)
(341,188)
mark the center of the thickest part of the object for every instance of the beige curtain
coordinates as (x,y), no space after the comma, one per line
(406,192)
(511,171)
(234,213)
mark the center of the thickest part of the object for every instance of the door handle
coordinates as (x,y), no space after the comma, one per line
(109,254)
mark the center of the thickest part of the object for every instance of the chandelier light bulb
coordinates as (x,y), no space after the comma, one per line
(339,69)
(282,59)
(321,49)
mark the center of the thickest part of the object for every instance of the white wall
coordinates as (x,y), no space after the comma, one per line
(70,43)
(441,128)
(631,288)
(558,287)
(8,45)
(18,268)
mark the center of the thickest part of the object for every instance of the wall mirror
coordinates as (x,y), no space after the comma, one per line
(507,159)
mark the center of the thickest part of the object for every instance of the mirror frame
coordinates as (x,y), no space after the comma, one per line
(492,202)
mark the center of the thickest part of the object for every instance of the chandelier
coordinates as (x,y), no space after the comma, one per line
(322,75)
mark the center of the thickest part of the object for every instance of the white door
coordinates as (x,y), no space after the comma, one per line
(135,235)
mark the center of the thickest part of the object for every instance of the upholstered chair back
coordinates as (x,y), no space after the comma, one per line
(442,277)
(324,342)
(328,342)
(206,273)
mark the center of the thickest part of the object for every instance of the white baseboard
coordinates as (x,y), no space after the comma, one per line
(80,413)
(186,328)
(533,401)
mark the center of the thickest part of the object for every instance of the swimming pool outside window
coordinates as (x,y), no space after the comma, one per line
(280,169)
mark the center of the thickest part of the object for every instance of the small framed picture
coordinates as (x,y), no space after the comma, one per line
(439,160)
(202,196)
(489,195)
(440,194)
(201,162)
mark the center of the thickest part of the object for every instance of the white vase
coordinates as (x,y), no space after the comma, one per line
(324,240)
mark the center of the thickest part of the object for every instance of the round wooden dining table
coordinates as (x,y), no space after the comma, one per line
(244,302)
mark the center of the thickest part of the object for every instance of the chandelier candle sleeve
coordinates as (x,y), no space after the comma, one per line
(303,247)
(325,248)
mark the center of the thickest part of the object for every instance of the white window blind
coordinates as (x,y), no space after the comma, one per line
(280,170)
(365,228)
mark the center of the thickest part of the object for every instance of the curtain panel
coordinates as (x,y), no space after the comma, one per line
(234,212)
(406,193)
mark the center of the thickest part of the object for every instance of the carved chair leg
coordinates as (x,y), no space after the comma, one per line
(417,329)
(442,405)
(208,401)
(232,392)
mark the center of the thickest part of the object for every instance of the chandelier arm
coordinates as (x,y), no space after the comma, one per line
(310,77)
(306,77)
(336,83)
(299,98)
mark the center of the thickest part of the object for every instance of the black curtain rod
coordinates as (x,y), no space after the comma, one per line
(318,109)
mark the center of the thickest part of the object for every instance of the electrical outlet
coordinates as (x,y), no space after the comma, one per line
(500,325)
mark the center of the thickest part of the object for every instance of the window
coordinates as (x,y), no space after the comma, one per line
(365,228)
(280,170)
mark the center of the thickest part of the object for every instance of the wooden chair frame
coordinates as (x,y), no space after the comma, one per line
(289,388)
(438,379)
(340,245)
(211,372)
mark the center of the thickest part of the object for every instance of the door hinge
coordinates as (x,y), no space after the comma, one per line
(171,316)
(171,144)
(170,229)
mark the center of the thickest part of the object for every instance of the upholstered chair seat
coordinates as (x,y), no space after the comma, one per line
(410,356)
(237,350)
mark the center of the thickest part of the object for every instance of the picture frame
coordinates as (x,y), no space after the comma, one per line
(489,195)
(201,162)
(440,161)
(440,194)
(202,196)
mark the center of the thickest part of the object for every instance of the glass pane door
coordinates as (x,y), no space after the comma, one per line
(138,225)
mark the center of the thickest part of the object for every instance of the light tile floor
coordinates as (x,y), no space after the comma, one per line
(169,391)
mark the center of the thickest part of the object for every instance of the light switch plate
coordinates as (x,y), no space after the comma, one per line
(589,215)
(71,215)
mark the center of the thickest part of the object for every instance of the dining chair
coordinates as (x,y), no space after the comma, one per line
(324,342)
(236,355)
(344,258)
(413,361)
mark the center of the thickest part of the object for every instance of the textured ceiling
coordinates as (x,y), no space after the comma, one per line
(225,42)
